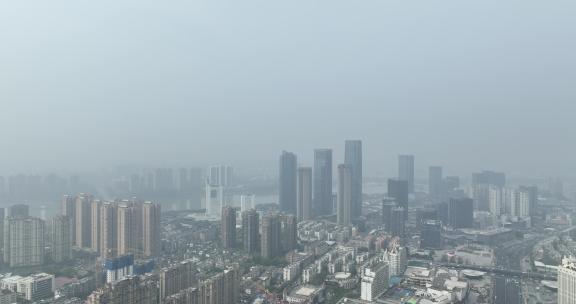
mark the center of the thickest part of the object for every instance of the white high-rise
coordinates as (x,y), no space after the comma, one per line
(247,202)
(567,281)
(495,199)
(374,281)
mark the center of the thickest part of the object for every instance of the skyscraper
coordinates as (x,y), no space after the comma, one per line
(345,186)
(353,159)
(83,221)
(374,281)
(228,229)
(461,213)
(287,182)
(108,230)
(126,219)
(406,170)
(95,229)
(567,281)
(398,223)
(387,205)
(289,232)
(323,182)
(250,231)
(68,208)
(435,183)
(304,191)
(431,234)
(270,242)
(61,246)
(398,190)
(151,241)
(23,241)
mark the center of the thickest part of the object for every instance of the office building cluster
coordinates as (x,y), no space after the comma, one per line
(307,193)
(268,236)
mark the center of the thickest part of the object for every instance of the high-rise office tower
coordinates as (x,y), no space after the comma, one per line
(108,230)
(68,208)
(287,182)
(251,231)
(353,159)
(406,170)
(23,241)
(304,194)
(323,199)
(228,227)
(431,234)
(398,223)
(270,241)
(461,213)
(126,229)
(61,245)
(289,232)
(151,241)
(567,281)
(95,229)
(435,183)
(344,206)
(398,190)
(374,281)
(387,205)
(83,221)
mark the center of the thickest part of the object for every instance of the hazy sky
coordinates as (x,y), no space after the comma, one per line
(469,85)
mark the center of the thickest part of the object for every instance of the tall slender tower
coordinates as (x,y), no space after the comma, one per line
(83,221)
(304,189)
(69,209)
(108,230)
(250,231)
(126,230)
(270,244)
(398,190)
(344,195)
(435,183)
(228,227)
(61,246)
(323,182)
(151,229)
(406,170)
(95,229)
(353,159)
(287,182)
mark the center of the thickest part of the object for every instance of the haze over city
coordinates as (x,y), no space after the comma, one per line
(467,85)
(287,152)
